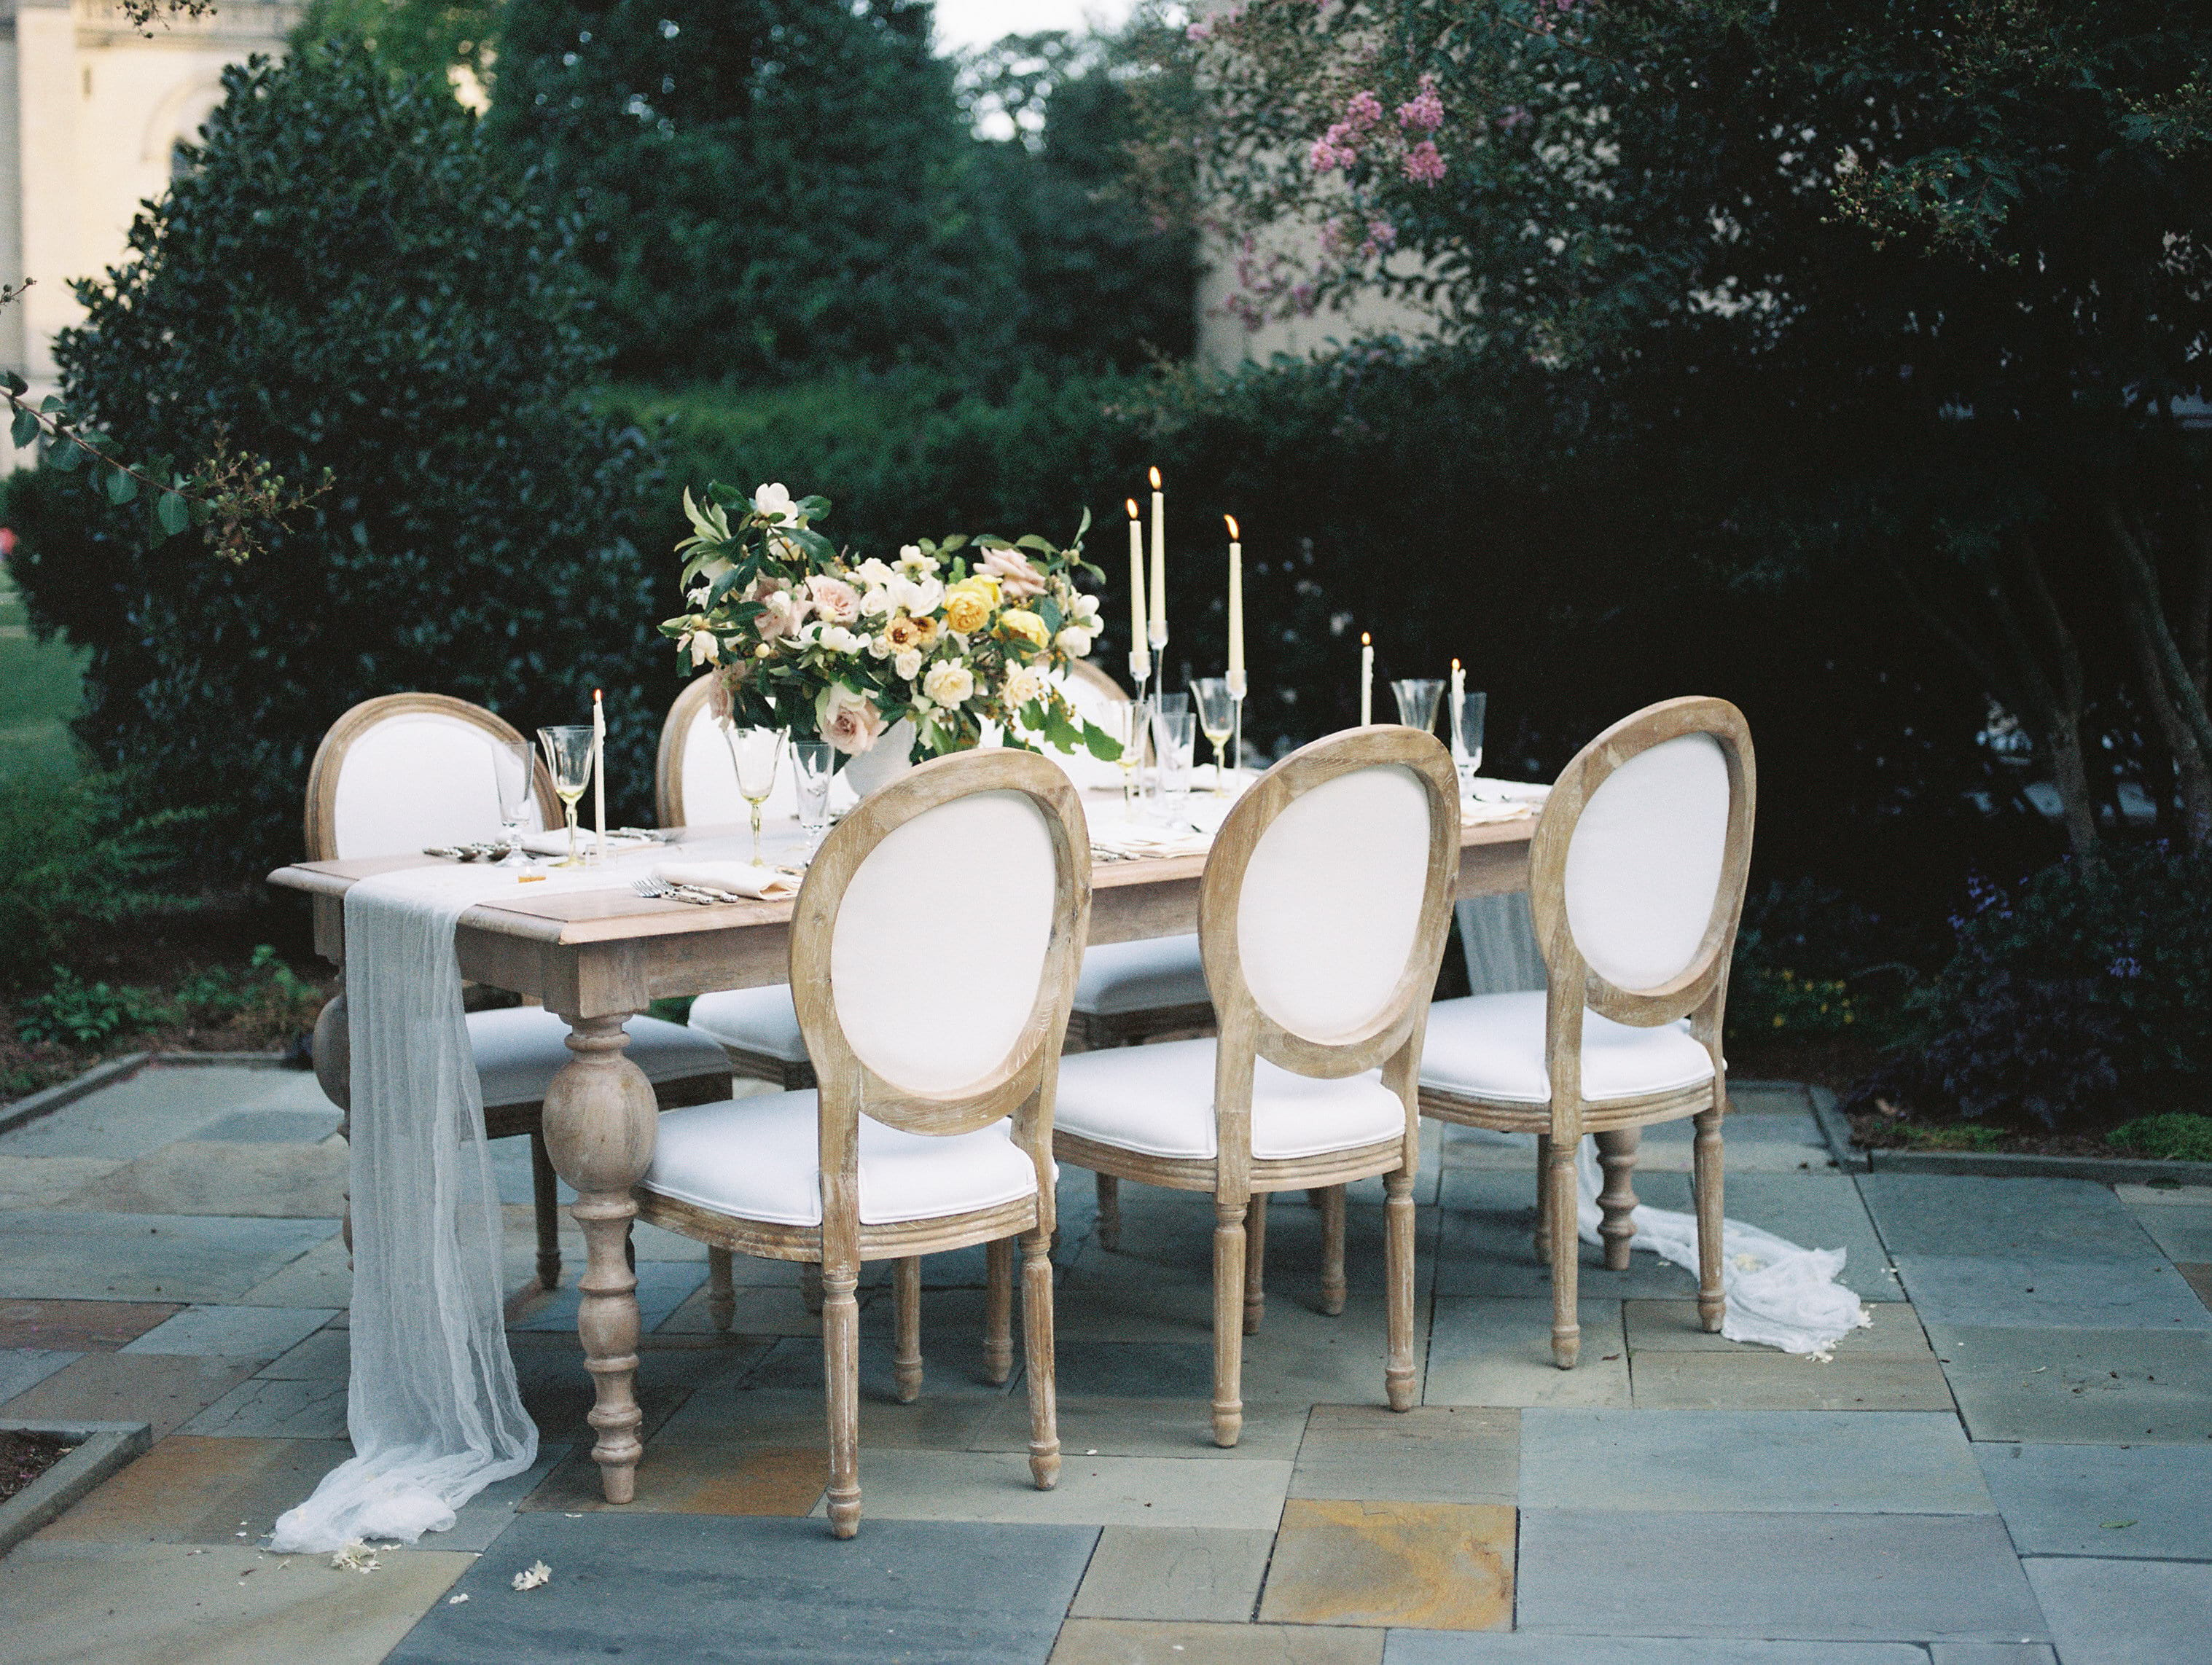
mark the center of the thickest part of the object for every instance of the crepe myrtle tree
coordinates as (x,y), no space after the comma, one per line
(1916,285)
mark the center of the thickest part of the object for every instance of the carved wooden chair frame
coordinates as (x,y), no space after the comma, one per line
(1022,1086)
(1238,1181)
(1698,992)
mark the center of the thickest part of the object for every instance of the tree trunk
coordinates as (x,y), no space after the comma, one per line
(2174,686)
(2190,775)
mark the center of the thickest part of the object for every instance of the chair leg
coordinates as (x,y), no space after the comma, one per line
(1705,1160)
(1543,1196)
(810,1286)
(840,1373)
(1332,1249)
(906,1340)
(545,1197)
(1227,1321)
(1616,1154)
(1109,1213)
(1255,1262)
(1566,1258)
(999,1310)
(1398,1264)
(721,1290)
(1037,1351)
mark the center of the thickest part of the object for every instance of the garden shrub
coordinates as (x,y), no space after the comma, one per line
(75,1013)
(74,853)
(2175,1137)
(341,278)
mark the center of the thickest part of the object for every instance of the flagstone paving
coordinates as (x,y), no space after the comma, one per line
(2008,1467)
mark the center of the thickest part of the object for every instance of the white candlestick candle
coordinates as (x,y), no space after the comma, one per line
(1366,679)
(1159,563)
(1137,649)
(599,773)
(1236,601)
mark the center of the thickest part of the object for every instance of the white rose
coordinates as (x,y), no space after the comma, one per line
(914,562)
(776,500)
(948,682)
(920,596)
(908,665)
(839,640)
(876,602)
(1024,684)
(1074,642)
(873,572)
(879,648)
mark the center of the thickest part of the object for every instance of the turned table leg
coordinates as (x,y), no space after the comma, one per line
(333,1056)
(1616,1156)
(599,1125)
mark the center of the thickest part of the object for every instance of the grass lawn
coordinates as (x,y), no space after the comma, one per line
(40,689)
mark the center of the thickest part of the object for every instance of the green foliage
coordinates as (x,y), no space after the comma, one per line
(421,39)
(1957,1136)
(341,279)
(74,853)
(264,1002)
(2177,1136)
(76,1014)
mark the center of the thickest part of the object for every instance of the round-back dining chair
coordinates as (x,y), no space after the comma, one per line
(1635,878)
(404,771)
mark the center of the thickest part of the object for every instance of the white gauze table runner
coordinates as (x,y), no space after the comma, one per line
(432,1405)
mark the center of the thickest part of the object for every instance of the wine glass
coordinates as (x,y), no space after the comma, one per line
(755,752)
(1466,738)
(1174,737)
(511,770)
(1123,721)
(1217,715)
(569,755)
(814,761)
(1418,698)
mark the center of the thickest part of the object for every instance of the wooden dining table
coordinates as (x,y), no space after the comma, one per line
(598,957)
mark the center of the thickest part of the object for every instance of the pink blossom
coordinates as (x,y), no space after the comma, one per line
(1423,165)
(1424,112)
(1334,238)
(835,601)
(848,720)
(1018,580)
(782,610)
(1201,30)
(1361,111)
(1513,115)
(1329,151)
(1382,233)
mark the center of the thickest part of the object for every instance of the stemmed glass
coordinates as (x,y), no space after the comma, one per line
(1174,737)
(1417,699)
(1124,723)
(755,752)
(511,772)
(1217,715)
(1466,738)
(569,755)
(814,763)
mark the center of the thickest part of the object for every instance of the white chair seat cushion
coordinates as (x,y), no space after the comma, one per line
(1491,1046)
(758,1158)
(1119,977)
(517,1051)
(1158,1101)
(762,1020)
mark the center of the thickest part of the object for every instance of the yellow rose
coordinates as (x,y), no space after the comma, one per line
(1020,621)
(968,603)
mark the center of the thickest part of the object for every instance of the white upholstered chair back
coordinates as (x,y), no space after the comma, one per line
(936,940)
(406,770)
(1639,861)
(696,782)
(1325,899)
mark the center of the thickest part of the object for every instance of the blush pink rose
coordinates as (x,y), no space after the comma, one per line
(849,721)
(836,602)
(781,612)
(1018,578)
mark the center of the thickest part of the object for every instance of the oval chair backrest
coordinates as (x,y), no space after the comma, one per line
(406,770)
(1638,864)
(1326,898)
(696,782)
(936,940)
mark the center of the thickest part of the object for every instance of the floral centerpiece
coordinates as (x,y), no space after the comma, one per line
(804,637)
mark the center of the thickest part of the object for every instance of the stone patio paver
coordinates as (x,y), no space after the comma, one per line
(2145,1292)
(1199,1573)
(290,1125)
(1432,1454)
(720,1415)
(154,1107)
(22,1368)
(1656,1326)
(2145,1502)
(2125,1612)
(699,1479)
(2114,1386)
(1757,1380)
(2198,1277)
(2182,1234)
(994,1485)
(1731,1461)
(198,1176)
(164,1390)
(72,1255)
(1137,1642)
(323,1277)
(41,1182)
(1773,1576)
(1992,1653)
(312,1408)
(1489,1351)
(1526,1648)
(79,1325)
(1821,1210)
(233,1332)
(1115,1427)
(1428,1565)
(192,1490)
(2056,1219)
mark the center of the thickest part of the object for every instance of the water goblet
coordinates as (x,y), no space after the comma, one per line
(1217,715)
(814,763)
(569,755)
(1467,738)
(511,769)
(1174,738)
(1418,698)
(755,753)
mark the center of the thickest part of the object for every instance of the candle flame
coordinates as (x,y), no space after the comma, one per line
(1365,639)
(1156,479)
(596,692)
(1233,534)
(1455,665)
(1132,503)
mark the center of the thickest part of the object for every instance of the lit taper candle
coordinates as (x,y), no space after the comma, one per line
(1236,600)
(1366,679)
(1159,632)
(1137,649)
(599,773)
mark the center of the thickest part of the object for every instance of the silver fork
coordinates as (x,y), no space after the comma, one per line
(658,888)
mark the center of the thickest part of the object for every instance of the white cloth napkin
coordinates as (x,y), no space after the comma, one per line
(738,877)
(1511,792)
(556,842)
(1473,814)
(1130,839)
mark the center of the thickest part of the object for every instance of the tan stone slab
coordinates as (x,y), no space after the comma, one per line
(2200,1280)
(1100,1426)
(698,1479)
(323,1277)
(1420,1565)
(2165,1196)
(759,1310)
(1135,1642)
(165,1389)
(994,1485)
(166,1604)
(1485,1349)
(193,1490)
(1432,1454)
(79,1325)
(221,1176)
(1189,1572)
(43,1181)
(1672,1326)
(1764,1381)
(783,1416)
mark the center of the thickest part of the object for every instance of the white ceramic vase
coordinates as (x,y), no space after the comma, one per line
(882,763)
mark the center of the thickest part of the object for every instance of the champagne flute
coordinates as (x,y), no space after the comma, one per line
(1467,714)
(755,752)
(569,755)
(511,770)
(1124,723)
(1217,715)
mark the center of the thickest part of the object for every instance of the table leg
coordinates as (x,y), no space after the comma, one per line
(599,1125)
(332,1051)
